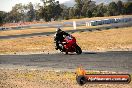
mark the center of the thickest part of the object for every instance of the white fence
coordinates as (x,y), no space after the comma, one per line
(108,21)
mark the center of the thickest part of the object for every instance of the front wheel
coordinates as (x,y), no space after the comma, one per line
(78,50)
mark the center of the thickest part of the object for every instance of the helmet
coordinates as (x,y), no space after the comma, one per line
(58,30)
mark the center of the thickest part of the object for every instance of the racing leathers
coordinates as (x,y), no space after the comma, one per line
(58,38)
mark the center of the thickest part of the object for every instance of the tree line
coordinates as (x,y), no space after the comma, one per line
(53,10)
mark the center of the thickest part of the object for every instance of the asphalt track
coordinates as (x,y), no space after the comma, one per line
(119,61)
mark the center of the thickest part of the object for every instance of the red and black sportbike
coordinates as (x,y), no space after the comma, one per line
(69,45)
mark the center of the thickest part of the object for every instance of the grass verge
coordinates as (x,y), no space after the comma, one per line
(14,78)
(106,40)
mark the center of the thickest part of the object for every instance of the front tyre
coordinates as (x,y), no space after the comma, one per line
(78,50)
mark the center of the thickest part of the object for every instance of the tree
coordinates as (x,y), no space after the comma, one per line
(128,7)
(51,9)
(42,14)
(113,9)
(31,12)
(78,6)
(16,14)
(89,13)
(82,6)
(121,9)
(1,21)
(65,12)
(71,12)
(2,17)
(57,10)
(100,10)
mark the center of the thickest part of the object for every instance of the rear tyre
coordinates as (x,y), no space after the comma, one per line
(66,53)
(78,50)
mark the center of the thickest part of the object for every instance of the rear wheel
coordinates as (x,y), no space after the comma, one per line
(66,53)
(78,50)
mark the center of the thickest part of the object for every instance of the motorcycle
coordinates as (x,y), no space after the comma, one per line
(69,45)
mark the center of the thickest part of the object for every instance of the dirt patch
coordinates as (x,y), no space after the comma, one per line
(45,79)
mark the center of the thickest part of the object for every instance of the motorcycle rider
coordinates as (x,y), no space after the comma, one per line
(59,37)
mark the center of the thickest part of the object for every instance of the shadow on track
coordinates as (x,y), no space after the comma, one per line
(89,53)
